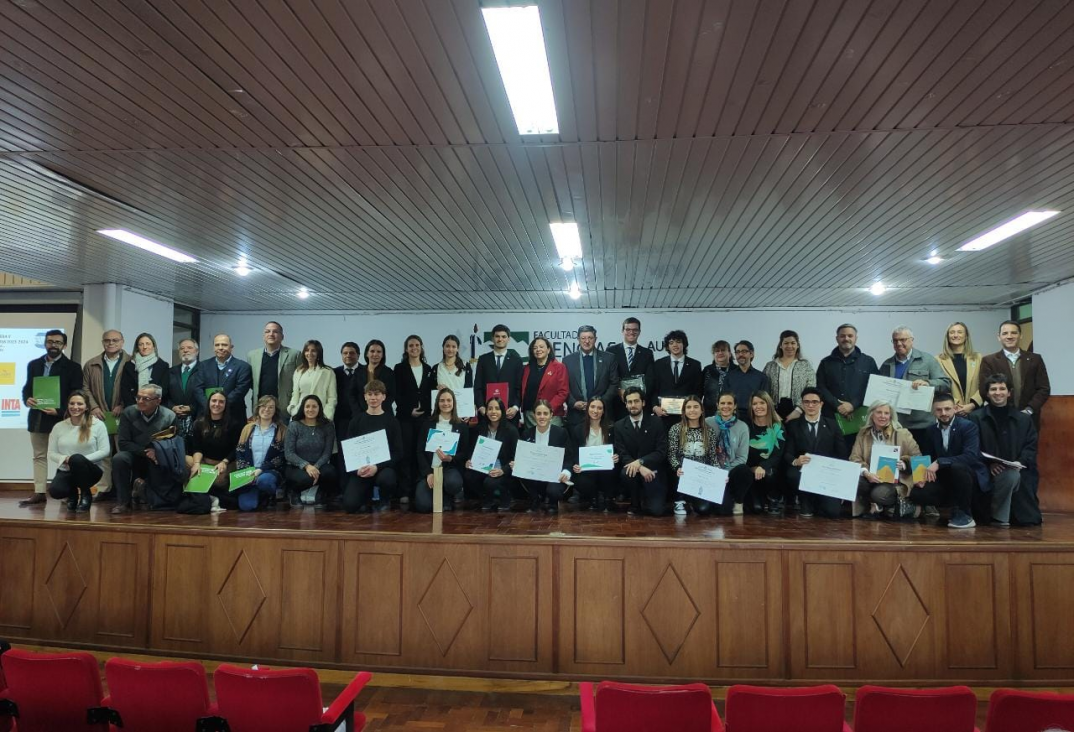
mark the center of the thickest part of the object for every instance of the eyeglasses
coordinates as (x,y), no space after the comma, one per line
(632,330)
(54,343)
(739,352)
(141,398)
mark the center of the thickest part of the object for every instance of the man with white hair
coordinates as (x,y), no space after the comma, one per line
(920,368)
(137,425)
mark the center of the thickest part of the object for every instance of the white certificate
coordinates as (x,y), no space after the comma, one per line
(538,462)
(596,458)
(486,452)
(371,449)
(827,476)
(447,442)
(919,398)
(699,480)
(464,402)
(879,451)
(883,388)
(672,405)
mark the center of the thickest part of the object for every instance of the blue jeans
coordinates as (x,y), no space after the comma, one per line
(250,496)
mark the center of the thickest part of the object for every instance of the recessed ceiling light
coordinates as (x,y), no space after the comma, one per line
(568,240)
(150,246)
(518,42)
(241,269)
(302,293)
(566,264)
(934,259)
(1007,230)
(574,292)
(878,289)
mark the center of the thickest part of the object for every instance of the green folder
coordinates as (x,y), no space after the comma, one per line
(854,424)
(47,392)
(111,423)
(240,478)
(210,390)
(203,481)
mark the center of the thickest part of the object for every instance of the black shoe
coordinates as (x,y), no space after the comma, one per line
(487,507)
(503,508)
(295,499)
(552,509)
(72,502)
(84,503)
(37,499)
(775,507)
(105,497)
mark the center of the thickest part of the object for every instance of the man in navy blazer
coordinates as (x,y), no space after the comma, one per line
(631,359)
(954,443)
(590,373)
(232,376)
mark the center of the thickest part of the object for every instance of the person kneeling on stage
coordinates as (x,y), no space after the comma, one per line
(446,419)
(77,445)
(261,446)
(694,439)
(307,448)
(213,439)
(734,437)
(596,487)
(813,434)
(1009,435)
(358,493)
(136,457)
(543,432)
(884,494)
(641,444)
(498,480)
(765,456)
(956,468)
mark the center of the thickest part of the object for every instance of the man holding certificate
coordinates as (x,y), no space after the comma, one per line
(358,490)
(956,468)
(673,378)
(921,370)
(813,435)
(632,362)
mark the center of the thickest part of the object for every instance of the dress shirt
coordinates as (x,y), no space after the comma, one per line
(1012,357)
(260,440)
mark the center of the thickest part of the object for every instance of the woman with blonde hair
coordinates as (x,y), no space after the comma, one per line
(962,365)
(261,446)
(765,453)
(878,495)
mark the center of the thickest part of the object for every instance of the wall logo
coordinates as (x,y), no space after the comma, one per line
(10,407)
(481,342)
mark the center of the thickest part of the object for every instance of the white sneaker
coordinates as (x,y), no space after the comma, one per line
(309,496)
(680,508)
(737,510)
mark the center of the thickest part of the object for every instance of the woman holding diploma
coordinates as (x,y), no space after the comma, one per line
(77,445)
(145,367)
(446,419)
(694,439)
(544,379)
(310,477)
(766,450)
(884,493)
(734,437)
(498,478)
(213,441)
(597,487)
(261,447)
(543,432)
(313,377)
(358,490)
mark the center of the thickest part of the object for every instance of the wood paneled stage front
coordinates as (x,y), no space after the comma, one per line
(578,596)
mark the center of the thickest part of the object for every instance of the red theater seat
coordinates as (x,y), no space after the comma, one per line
(282,700)
(157,697)
(55,691)
(1029,711)
(880,709)
(807,709)
(628,708)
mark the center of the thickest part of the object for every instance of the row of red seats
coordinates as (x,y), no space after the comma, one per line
(50,692)
(615,707)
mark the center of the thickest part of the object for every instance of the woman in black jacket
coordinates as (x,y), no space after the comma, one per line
(145,367)
(498,479)
(596,487)
(543,432)
(374,369)
(414,380)
(446,419)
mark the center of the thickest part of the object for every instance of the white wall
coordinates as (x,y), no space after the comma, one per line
(1052,312)
(109,306)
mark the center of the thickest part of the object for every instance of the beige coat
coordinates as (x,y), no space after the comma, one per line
(973,370)
(320,382)
(863,452)
(93,381)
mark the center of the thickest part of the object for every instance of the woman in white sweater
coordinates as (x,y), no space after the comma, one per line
(77,445)
(312,377)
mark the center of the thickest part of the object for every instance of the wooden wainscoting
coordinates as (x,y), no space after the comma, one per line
(1053,455)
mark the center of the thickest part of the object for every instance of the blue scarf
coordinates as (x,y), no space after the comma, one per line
(725,432)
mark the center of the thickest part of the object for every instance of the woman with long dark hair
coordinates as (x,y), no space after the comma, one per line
(446,419)
(145,367)
(497,482)
(543,432)
(596,487)
(310,476)
(414,380)
(212,441)
(312,376)
(77,445)
(374,369)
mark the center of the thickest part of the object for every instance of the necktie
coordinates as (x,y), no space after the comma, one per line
(813,431)
(350,372)
(630,357)
(676,371)
(185,375)
(499,363)
(637,426)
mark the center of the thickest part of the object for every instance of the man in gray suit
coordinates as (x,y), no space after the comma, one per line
(590,372)
(273,368)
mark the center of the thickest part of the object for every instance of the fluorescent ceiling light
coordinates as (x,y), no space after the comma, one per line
(150,246)
(302,293)
(566,264)
(568,241)
(518,42)
(1007,230)
(574,292)
(934,259)
(878,289)
(242,268)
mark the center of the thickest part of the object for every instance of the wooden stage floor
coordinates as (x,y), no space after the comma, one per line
(572,597)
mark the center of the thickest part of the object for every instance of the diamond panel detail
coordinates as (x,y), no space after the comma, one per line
(241,596)
(65,585)
(445,607)
(670,614)
(901,616)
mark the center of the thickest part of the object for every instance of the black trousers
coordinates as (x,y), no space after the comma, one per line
(126,466)
(81,475)
(298,480)
(953,487)
(596,483)
(648,497)
(484,486)
(358,491)
(825,506)
(753,490)
(423,494)
(408,463)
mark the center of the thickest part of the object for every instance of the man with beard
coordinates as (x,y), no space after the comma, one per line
(843,377)
(641,444)
(181,399)
(743,380)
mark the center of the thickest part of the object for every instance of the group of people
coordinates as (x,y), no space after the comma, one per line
(760,425)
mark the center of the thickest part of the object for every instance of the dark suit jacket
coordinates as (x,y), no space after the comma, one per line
(661,380)
(507,435)
(511,372)
(650,443)
(643,360)
(963,446)
(1036,388)
(557,437)
(177,395)
(70,374)
(829,443)
(605,381)
(158,374)
(410,395)
(343,395)
(236,380)
(358,381)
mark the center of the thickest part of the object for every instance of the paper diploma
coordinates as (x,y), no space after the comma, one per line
(446,442)
(919,399)
(900,393)
(464,403)
(879,451)
(486,452)
(883,388)
(363,450)
(596,458)
(672,405)
(827,476)
(538,462)
(699,480)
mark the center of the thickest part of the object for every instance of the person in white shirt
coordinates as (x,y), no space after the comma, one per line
(77,445)
(543,432)
(313,377)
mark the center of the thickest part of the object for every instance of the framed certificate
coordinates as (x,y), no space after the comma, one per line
(672,405)
(638,381)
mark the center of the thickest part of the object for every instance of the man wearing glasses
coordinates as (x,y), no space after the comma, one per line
(813,434)
(101,376)
(40,421)
(137,425)
(632,362)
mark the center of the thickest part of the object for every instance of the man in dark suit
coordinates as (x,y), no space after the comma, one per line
(632,362)
(41,421)
(181,383)
(502,365)
(813,434)
(674,376)
(1025,372)
(641,444)
(227,373)
(590,373)
(345,378)
(956,469)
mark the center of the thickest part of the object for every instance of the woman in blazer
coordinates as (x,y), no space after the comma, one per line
(543,432)
(544,379)
(597,488)
(962,365)
(498,480)
(312,377)
(788,373)
(446,419)
(414,379)
(145,367)
(374,369)
(877,495)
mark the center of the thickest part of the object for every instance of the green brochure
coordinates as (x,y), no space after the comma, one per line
(210,390)
(47,392)
(111,423)
(854,424)
(203,481)
(241,478)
